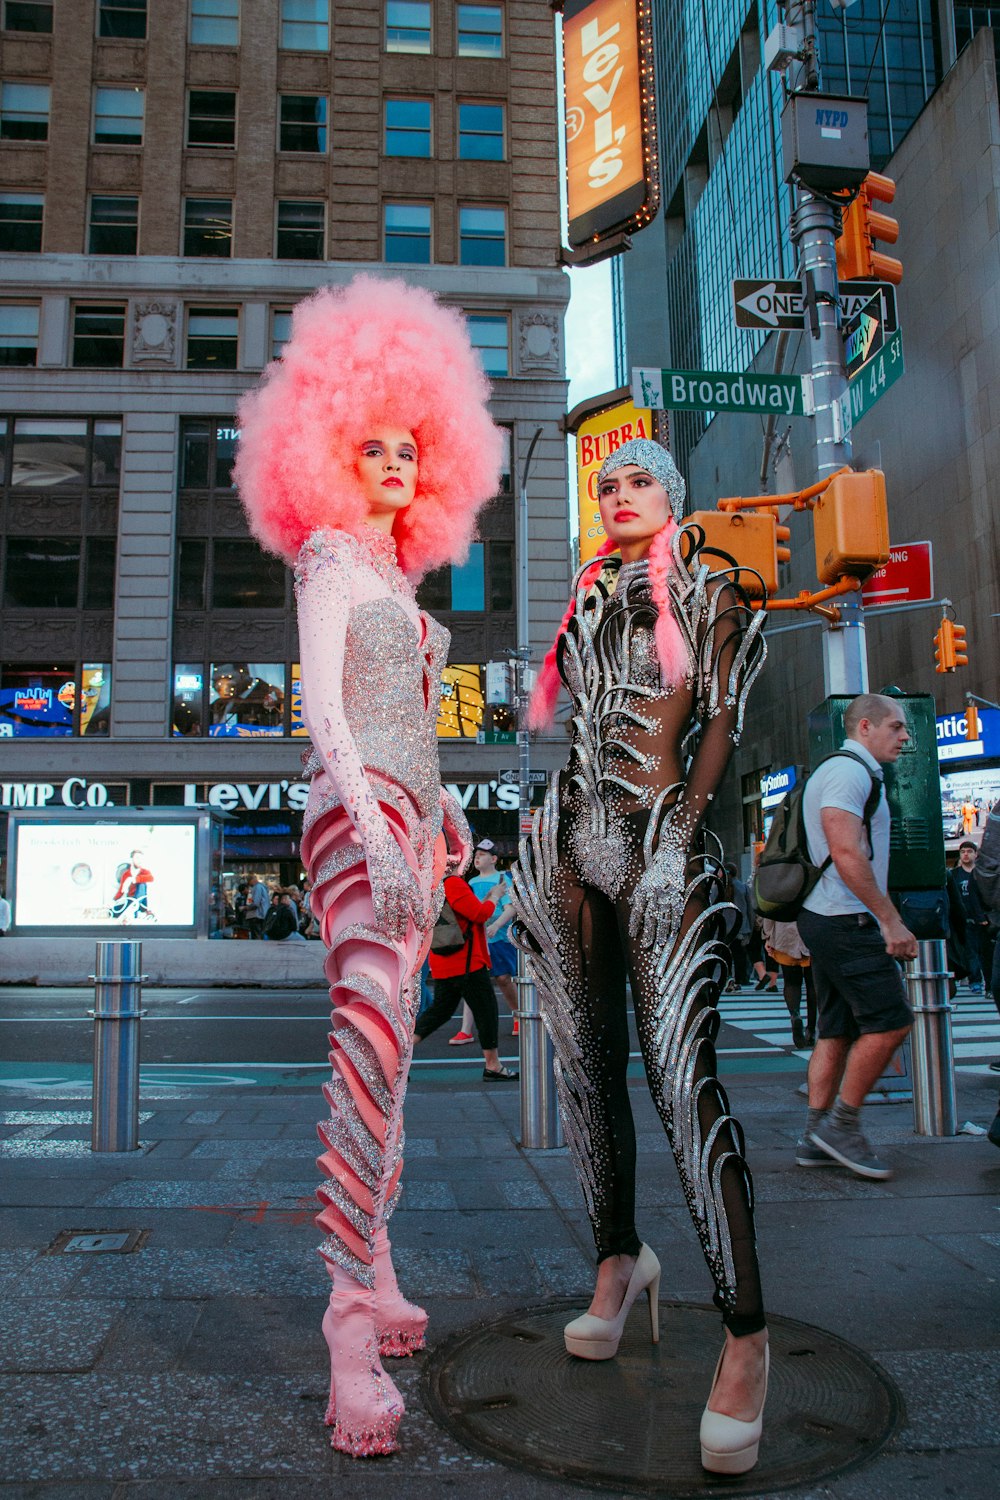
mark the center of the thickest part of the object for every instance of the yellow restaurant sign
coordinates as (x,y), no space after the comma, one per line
(596,437)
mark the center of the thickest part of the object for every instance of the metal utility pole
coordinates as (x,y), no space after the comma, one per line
(815,227)
(540,1127)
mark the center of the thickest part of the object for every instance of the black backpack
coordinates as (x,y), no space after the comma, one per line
(447,937)
(785,874)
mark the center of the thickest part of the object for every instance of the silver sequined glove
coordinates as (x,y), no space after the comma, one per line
(396,894)
(658,901)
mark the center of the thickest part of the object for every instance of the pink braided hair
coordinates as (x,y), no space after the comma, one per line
(670,644)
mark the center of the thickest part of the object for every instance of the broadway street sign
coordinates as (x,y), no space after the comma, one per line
(717,390)
(782,304)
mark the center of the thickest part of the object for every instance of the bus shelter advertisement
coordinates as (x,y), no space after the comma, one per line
(95,874)
(970,774)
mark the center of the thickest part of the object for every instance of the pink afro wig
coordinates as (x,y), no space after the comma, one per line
(374,353)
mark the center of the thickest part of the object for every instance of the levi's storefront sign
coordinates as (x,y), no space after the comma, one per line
(596,437)
(611,168)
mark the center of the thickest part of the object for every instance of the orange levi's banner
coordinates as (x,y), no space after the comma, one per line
(610,149)
(596,437)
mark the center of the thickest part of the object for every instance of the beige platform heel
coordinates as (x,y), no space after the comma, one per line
(598,1338)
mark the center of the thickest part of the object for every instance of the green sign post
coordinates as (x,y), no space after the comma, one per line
(717,390)
(875,377)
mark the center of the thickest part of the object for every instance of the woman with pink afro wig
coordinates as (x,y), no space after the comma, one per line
(364,457)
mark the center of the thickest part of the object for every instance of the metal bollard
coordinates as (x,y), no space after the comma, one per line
(116,1013)
(541,1128)
(934,1108)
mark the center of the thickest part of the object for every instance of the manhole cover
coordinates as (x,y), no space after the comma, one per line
(509,1390)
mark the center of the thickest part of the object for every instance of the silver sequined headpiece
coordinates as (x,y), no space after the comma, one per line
(655,459)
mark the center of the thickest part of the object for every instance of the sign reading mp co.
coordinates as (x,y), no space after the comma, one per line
(717,390)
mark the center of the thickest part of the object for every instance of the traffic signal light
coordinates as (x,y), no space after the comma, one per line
(754,538)
(863,225)
(959,649)
(851,526)
(944,647)
(972,722)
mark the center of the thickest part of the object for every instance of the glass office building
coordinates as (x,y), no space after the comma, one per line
(726,208)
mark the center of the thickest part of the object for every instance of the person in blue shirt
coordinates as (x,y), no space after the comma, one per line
(503,954)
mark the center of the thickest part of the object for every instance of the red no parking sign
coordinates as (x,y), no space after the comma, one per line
(907,578)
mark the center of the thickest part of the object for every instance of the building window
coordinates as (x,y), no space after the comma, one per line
(191,572)
(213,338)
(407,127)
(66,452)
(99,572)
(18,335)
(114,226)
(24,112)
(501,577)
(27,15)
(468,582)
(305,25)
(208,226)
(37,701)
(246,699)
(118,117)
(507,435)
(490,335)
(407,26)
(21,221)
(41,573)
(188,710)
(122,18)
(211,118)
(480,31)
(302,122)
(215,23)
(244,577)
(482,236)
(480,132)
(281,330)
(408,233)
(301,231)
(208,452)
(99,335)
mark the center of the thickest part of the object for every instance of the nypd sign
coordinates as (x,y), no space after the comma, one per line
(774,786)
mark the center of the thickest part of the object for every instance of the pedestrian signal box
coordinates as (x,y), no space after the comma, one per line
(753,539)
(851,526)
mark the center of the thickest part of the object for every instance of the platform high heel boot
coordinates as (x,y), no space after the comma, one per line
(365,1407)
(589,1337)
(401,1325)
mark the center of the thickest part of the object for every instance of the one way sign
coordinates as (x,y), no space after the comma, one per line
(782,304)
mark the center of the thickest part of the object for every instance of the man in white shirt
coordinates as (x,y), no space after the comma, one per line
(854,935)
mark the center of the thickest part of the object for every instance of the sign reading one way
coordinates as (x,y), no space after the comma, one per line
(782,304)
(717,390)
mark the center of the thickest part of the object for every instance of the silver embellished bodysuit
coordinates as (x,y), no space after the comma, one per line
(620,833)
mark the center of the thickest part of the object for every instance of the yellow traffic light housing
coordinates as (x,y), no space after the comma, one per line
(972,722)
(959,648)
(862,226)
(752,538)
(944,647)
(851,526)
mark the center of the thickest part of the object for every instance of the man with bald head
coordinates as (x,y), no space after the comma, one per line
(855,936)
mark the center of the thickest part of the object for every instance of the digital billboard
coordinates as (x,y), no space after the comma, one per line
(84,872)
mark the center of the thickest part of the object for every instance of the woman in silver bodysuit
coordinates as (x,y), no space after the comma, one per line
(619,879)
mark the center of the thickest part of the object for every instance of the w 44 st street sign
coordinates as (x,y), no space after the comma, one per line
(776,304)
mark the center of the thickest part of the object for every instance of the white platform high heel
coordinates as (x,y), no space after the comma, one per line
(598,1338)
(729,1446)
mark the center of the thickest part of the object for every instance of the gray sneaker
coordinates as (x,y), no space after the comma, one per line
(850,1149)
(808,1155)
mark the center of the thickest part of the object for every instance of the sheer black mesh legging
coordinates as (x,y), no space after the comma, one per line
(595,967)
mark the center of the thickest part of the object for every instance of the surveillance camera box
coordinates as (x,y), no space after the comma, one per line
(824,141)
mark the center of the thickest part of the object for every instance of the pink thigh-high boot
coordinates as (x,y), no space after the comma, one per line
(371,1041)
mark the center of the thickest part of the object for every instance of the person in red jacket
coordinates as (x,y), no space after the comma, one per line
(133,886)
(465,975)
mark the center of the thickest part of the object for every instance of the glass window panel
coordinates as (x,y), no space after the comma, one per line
(118,117)
(99,577)
(49,452)
(407,127)
(407,26)
(482,234)
(298,724)
(490,336)
(195,444)
(434,591)
(215,23)
(106,453)
(480,132)
(122,18)
(188,698)
(208,226)
(243,577)
(301,231)
(246,699)
(37,701)
(28,15)
(21,222)
(99,336)
(42,573)
(305,25)
(213,341)
(480,31)
(281,331)
(211,118)
(226,438)
(114,226)
(501,576)
(505,461)
(468,581)
(302,122)
(408,232)
(18,335)
(24,112)
(192,559)
(95,698)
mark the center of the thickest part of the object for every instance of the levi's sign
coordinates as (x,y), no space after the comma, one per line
(717,390)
